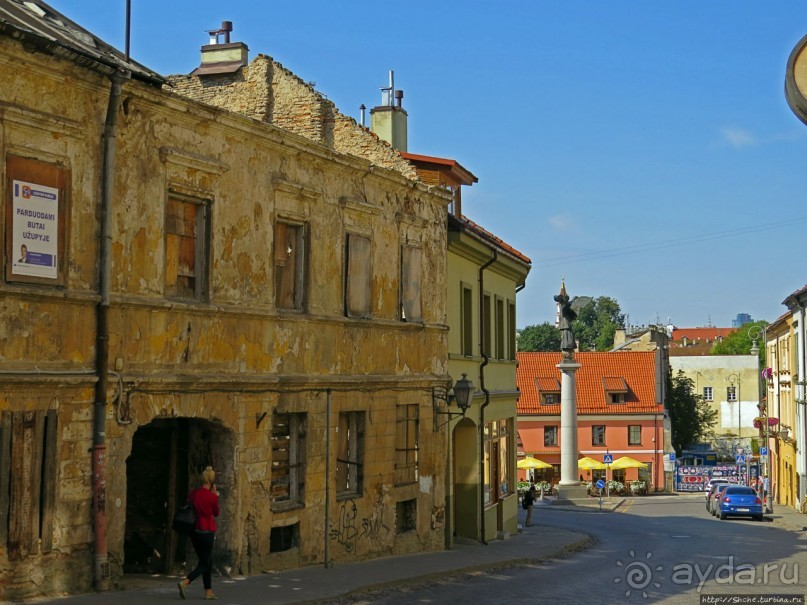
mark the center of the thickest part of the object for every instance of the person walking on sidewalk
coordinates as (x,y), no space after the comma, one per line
(527,500)
(205,502)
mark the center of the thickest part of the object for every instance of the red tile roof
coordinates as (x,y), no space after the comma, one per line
(703,334)
(465,223)
(636,368)
(462,174)
(550,384)
(614,384)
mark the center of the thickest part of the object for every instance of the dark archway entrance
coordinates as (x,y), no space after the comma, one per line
(166,458)
(156,474)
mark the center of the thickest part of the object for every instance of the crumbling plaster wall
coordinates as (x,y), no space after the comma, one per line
(169,353)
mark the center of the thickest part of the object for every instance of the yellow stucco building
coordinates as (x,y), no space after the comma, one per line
(780,355)
(260,288)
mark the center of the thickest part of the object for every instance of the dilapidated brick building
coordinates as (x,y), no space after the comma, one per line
(249,281)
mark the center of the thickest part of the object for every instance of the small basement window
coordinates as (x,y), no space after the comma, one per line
(406,516)
(284,538)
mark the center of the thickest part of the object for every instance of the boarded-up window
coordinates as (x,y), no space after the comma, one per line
(357,276)
(406,444)
(410,283)
(36,218)
(27,482)
(185,249)
(289,265)
(288,458)
(466,319)
(350,454)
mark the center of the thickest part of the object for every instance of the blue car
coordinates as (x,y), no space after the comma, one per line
(739,501)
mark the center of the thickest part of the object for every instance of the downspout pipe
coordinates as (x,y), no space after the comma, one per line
(109,149)
(486,402)
(327,475)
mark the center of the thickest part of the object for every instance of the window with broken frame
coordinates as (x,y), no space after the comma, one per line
(350,454)
(288,442)
(406,443)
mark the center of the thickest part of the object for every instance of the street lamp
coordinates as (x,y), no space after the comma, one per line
(754,332)
(459,394)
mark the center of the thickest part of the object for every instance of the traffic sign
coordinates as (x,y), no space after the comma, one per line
(763,451)
(608,458)
(740,459)
(600,484)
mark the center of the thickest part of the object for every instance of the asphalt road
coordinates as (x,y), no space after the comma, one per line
(664,549)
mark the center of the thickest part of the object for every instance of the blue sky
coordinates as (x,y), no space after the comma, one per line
(643,151)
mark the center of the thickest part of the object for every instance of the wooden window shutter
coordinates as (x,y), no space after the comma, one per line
(410,283)
(358,284)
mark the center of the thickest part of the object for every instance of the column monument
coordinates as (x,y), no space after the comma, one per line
(569,486)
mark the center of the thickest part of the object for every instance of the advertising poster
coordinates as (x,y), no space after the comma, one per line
(35,229)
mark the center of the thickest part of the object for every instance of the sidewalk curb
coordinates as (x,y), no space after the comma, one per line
(586,541)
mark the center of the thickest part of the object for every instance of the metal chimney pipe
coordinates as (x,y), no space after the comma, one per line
(226,28)
(362,109)
(391,85)
(399,97)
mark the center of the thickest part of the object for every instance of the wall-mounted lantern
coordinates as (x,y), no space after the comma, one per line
(460,394)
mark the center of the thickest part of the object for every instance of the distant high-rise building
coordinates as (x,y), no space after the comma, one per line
(741,320)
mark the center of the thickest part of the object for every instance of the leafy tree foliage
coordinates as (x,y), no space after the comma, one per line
(597,322)
(741,341)
(691,418)
(543,337)
(594,329)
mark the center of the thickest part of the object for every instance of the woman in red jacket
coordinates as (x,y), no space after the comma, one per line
(205,502)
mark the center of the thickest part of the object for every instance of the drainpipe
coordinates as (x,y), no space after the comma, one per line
(101,577)
(655,453)
(327,474)
(485,359)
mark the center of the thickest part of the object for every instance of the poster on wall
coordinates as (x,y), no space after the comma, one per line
(35,230)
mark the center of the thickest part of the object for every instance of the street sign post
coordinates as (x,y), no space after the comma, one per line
(600,484)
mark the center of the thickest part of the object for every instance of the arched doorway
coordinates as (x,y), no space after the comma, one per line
(466,480)
(166,458)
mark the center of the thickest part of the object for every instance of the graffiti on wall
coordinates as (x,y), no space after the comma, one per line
(350,529)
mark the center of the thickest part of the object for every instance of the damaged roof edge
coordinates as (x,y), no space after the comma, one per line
(35,23)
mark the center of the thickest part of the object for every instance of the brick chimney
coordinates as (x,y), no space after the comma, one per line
(388,120)
(220,56)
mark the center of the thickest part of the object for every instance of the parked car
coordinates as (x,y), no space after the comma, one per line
(721,487)
(710,491)
(740,501)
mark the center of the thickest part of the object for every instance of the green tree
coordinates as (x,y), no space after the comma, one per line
(741,341)
(597,322)
(691,417)
(544,337)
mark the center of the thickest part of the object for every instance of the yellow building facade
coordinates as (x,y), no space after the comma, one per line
(780,355)
(484,275)
(186,286)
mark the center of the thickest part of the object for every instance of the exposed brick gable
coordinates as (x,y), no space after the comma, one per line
(266,91)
